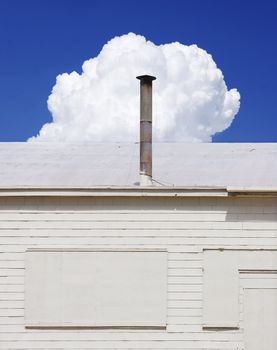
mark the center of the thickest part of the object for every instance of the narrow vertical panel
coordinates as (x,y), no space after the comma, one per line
(43,282)
(221,289)
(260,319)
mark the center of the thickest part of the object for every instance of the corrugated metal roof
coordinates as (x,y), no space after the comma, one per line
(111,164)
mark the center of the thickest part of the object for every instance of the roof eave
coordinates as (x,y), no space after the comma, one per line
(136,191)
(113,191)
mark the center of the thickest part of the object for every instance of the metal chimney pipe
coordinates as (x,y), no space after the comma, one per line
(146,129)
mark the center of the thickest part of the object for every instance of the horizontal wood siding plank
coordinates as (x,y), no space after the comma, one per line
(150,241)
(172,345)
(194,333)
(14,232)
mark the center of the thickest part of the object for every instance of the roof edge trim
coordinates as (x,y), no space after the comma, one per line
(252,191)
(131,191)
(158,191)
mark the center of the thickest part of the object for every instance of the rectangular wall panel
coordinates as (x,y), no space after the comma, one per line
(221,289)
(96,288)
(260,319)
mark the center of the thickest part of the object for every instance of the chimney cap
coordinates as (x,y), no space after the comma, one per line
(146,78)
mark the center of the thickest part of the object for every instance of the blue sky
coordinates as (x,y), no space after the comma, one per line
(41,39)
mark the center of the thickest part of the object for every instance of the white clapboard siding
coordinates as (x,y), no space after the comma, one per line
(183,226)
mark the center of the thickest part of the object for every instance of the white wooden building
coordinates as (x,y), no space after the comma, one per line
(91,260)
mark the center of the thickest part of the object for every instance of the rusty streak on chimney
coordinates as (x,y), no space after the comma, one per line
(146,129)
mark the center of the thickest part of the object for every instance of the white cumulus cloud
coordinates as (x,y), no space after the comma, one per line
(191,101)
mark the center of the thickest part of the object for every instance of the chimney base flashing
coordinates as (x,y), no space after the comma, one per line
(145,180)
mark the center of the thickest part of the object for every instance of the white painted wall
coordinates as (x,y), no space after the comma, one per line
(182,226)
